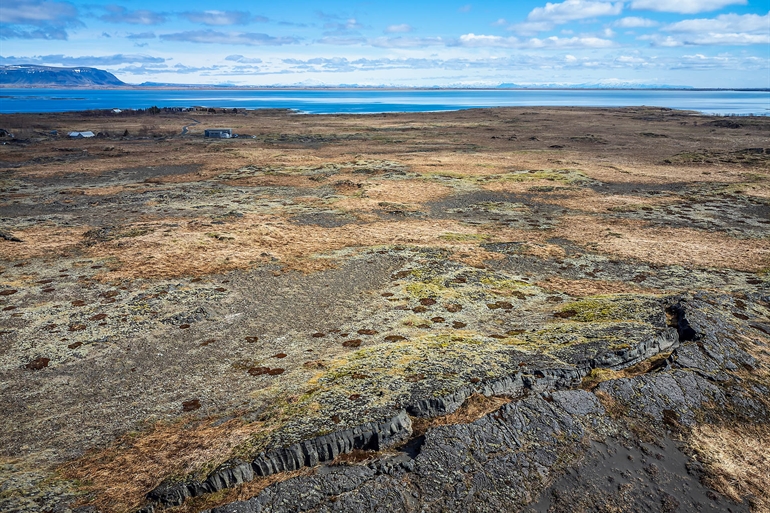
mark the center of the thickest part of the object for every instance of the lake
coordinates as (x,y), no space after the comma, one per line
(359,101)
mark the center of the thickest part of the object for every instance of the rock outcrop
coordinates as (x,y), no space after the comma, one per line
(369,436)
(504,460)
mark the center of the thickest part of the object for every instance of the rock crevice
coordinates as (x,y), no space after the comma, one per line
(370,436)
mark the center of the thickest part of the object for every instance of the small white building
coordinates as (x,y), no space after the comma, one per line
(219,133)
(81,135)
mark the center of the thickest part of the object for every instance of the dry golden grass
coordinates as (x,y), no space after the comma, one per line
(196,250)
(588,201)
(599,375)
(578,288)
(408,191)
(475,407)
(631,239)
(737,461)
(118,477)
(42,242)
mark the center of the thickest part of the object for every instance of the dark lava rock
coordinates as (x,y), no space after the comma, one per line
(369,436)
(553,448)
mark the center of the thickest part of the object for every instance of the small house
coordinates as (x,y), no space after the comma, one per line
(219,133)
(81,135)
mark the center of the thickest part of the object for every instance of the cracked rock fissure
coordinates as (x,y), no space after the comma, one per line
(370,436)
(376,436)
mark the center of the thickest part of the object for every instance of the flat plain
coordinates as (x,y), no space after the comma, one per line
(592,283)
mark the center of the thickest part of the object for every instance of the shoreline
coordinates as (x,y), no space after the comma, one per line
(198,87)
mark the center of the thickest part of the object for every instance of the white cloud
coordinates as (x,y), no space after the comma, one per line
(726,29)
(569,42)
(684,6)
(342,40)
(218,18)
(406,42)
(541,19)
(571,10)
(403,27)
(723,61)
(101,60)
(345,27)
(243,60)
(465,8)
(228,38)
(634,22)
(31,12)
(747,23)
(47,19)
(118,14)
(482,40)
(142,35)
(630,59)
(709,40)
(532,27)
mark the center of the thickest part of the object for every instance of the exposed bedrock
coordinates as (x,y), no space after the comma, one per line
(543,380)
(506,459)
(369,436)
(488,465)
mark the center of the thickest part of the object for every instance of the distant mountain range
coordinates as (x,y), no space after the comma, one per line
(48,76)
(28,75)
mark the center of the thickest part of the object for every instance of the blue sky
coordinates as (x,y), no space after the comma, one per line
(700,43)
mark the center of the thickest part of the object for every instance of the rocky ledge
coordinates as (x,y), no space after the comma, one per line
(521,455)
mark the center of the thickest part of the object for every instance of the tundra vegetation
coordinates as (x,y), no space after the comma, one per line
(551,309)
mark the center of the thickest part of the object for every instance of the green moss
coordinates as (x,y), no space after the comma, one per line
(464,237)
(598,309)
(507,287)
(431,289)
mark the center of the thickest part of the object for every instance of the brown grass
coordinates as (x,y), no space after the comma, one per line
(408,191)
(597,376)
(665,246)
(42,242)
(736,460)
(475,407)
(195,250)
(579,288)
(118,478)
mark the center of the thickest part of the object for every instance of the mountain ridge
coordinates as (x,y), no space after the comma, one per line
(25,75)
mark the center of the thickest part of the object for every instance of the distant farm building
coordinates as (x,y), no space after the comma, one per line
(219,133)
(81,135)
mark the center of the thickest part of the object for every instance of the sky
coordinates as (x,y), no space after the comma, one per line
(695,43)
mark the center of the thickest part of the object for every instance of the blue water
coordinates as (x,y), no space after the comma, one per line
(333,101)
